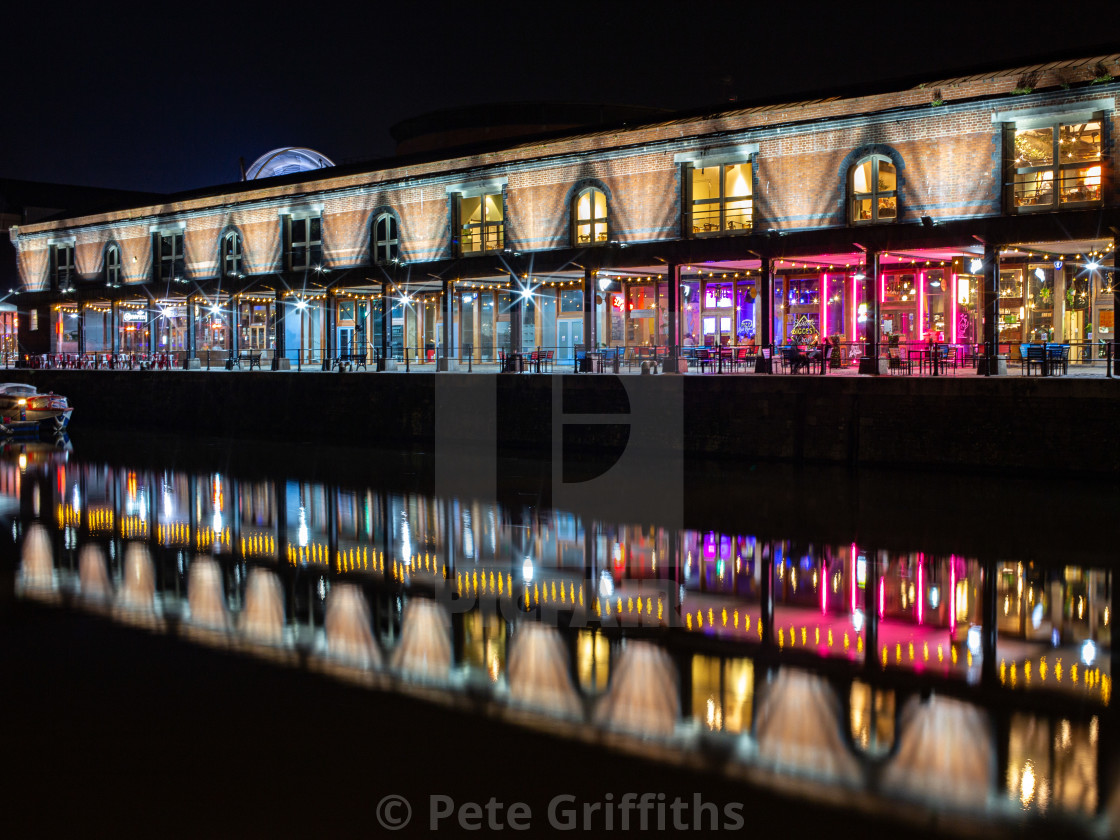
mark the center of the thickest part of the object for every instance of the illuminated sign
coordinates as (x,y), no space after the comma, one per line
(134,316)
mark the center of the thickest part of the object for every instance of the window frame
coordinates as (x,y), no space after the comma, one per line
(385,250)
(875,195)
(172,266)
(309,247)
(62,273)
(232,258)
(592,221)
(484,226)
(1055,123)
(724,227)
(114,271)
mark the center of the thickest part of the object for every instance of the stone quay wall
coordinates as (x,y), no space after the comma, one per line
(1038,426)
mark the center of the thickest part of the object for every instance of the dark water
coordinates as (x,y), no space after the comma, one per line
(935,643)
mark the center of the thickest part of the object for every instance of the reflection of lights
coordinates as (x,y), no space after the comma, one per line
(606,585)
(406,539)
(1026,786)
(301,531)
(1088,651)
(1080,600)
(857,621)
(23,460)
(77,503)
(974,640)
(527,570)
(1036,615)
(934,597)
(714,717)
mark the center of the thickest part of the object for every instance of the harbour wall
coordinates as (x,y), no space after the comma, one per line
(1039,427)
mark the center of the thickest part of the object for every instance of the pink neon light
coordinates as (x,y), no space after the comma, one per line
(921,309)
(952,596)
(824,304)
(824,586)
(921,599)
(855,315)
(853,556)
(882,596)
(882,287)
(953,327)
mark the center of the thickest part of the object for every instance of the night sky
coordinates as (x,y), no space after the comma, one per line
(168,97)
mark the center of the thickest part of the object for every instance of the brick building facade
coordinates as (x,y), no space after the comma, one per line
(979,211)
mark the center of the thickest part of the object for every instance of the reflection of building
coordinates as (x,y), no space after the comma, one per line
(722,615)
(767,223)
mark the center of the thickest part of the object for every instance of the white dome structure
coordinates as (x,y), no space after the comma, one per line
(285,161)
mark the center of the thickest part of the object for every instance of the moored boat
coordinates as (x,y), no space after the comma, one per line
(23,410)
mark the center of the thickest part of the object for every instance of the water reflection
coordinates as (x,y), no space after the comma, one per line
(875,669)
(643,697)
(349,637)
(36,570)
(425,646)
(93,575)
(539,671)
(945,752)
(798,727)
(137,592)
(207,601)
(262,618)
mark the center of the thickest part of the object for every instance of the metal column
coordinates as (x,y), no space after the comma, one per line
(869,362)
(765,318)
(673,278)
(990,293)
(385,326)
(445,305)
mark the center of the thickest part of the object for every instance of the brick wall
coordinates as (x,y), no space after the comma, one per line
(950,153)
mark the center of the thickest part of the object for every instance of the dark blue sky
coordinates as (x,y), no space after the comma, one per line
(169,97)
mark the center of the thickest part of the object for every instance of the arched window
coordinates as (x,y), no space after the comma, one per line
(386,239)
(873,186)
(113,265)
(233,263)
(590,213)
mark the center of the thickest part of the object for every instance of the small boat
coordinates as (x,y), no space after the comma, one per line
(23,410)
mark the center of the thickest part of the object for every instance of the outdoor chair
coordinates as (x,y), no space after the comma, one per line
(1032,355)
(897,364)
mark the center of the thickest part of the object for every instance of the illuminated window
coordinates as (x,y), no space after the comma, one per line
(481,223)
(62,266)
(172,261)
(591,218)
(306,243)
(113,265)
(1058,163)
(233,263)
(720,199)
(873,187)
(386,240)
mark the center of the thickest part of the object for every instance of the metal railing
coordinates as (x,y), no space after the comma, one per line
(921,358)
